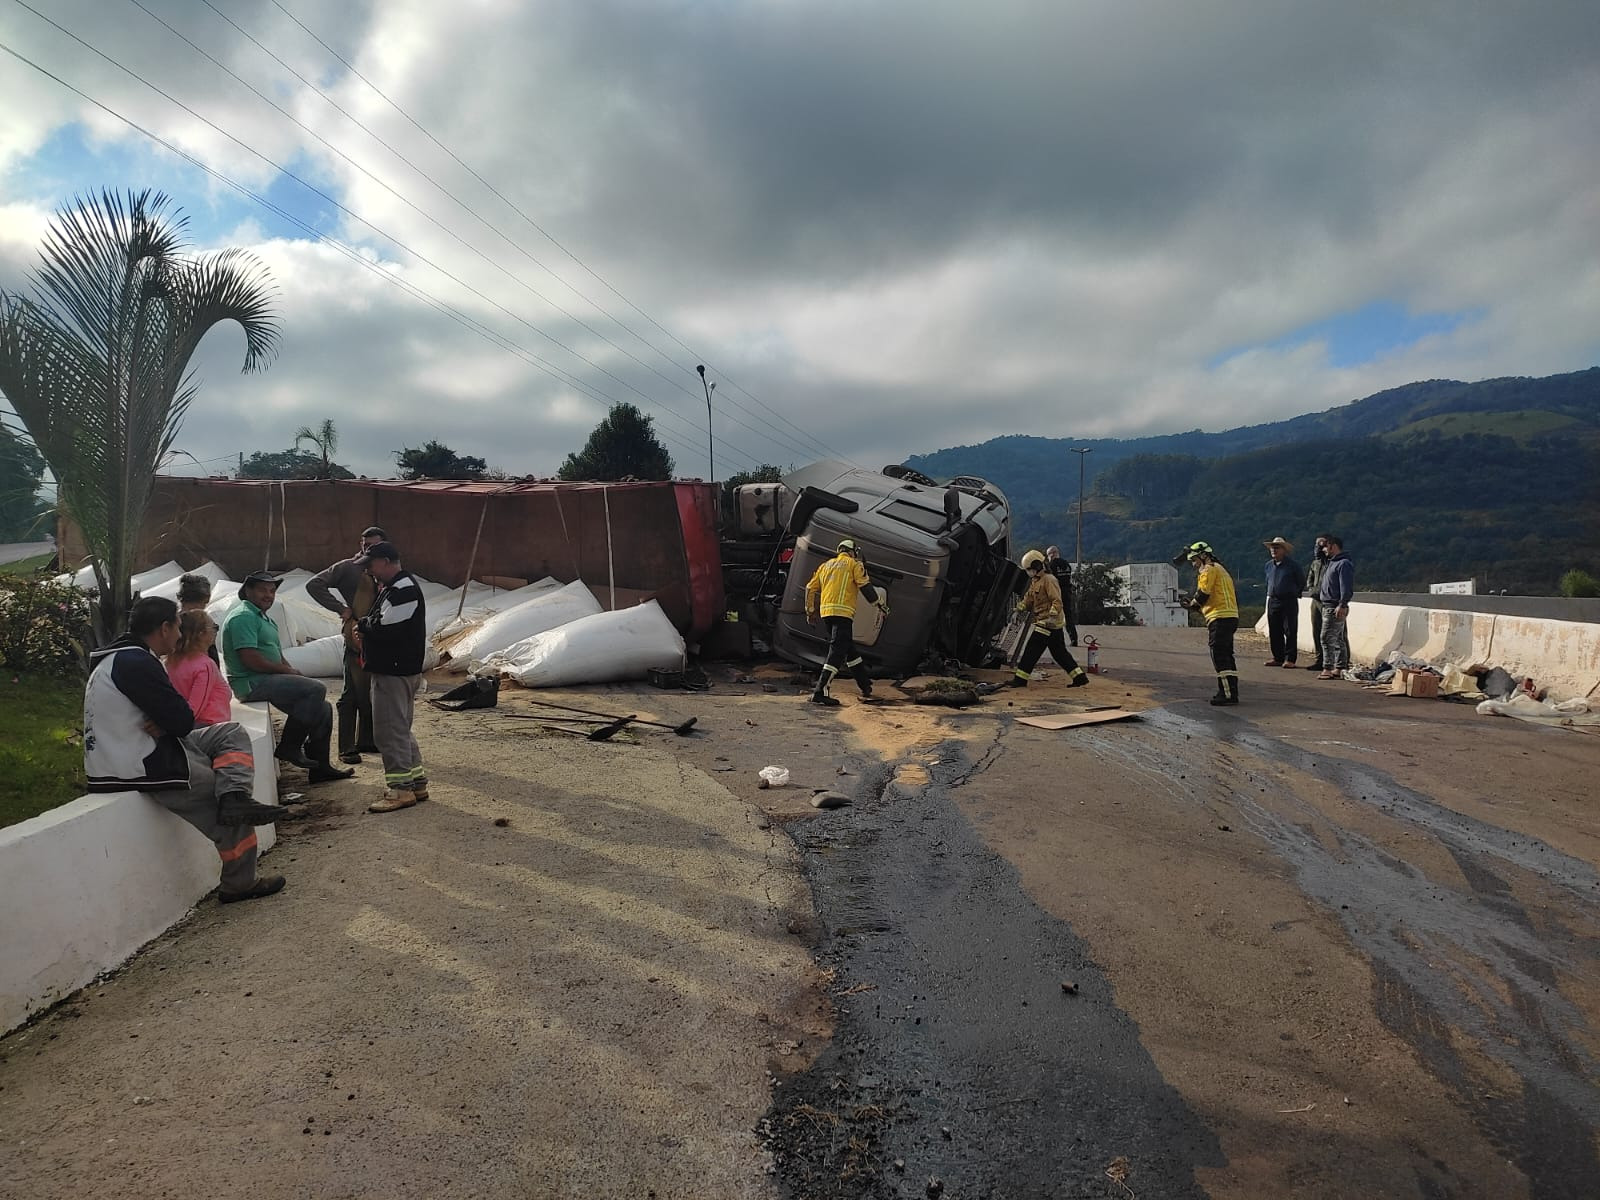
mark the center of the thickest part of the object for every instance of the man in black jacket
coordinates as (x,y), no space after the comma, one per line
(394,643)
(1062,570)
(139,735)
(1285,582)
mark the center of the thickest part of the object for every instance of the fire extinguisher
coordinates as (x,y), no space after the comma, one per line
(1091,653)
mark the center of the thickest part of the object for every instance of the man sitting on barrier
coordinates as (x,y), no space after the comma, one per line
(140,735)
(257,671)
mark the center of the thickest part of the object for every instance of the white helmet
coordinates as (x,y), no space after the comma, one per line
(1031,560)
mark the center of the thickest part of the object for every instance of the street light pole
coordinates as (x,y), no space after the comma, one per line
(711,449)
(1080,452)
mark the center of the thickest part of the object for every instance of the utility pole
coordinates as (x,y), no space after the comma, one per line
(711,449)
(1080,452)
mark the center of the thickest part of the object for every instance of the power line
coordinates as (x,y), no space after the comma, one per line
(551,238)
(443,228)
(774,435)
(354,255)
(694,430)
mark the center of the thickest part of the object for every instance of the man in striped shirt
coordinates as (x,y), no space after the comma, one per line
(393,639)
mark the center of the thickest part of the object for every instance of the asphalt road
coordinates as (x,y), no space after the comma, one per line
(1326,944)
(17,551)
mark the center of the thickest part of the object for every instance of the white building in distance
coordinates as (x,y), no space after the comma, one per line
(1153,593)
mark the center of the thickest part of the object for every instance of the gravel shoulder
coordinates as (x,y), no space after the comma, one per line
(583,1000)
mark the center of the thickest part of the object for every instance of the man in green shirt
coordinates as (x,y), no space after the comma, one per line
(253,656)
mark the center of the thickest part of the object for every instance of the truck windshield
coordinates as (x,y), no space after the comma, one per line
(929,520)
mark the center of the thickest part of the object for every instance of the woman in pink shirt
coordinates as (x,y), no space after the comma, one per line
(198,679)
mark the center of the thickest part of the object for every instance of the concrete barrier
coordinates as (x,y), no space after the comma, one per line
(85,885)
(1563,656)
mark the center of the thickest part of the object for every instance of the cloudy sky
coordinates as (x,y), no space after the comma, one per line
(886,227)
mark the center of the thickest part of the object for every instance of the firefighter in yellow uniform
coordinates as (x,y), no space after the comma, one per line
(832,594)
(1214,599)
(1043,600)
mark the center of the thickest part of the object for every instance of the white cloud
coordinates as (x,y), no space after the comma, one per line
(902,226)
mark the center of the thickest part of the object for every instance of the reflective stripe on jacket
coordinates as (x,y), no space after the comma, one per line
(1043,600)
(1217,584)
(837,581)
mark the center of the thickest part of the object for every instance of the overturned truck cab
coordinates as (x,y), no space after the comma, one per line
(939,552)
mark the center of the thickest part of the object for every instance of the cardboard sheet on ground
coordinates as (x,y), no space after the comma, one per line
(1073,720)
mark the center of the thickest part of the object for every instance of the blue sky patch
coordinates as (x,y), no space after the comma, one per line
(70,165)
(1364,334)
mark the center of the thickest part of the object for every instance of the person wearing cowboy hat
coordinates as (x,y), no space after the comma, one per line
(1285,582)
(257,670)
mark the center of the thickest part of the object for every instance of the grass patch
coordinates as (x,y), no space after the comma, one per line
(26,566)
(41,750)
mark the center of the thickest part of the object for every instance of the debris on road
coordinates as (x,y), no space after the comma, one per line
(829,800)
(1054,721)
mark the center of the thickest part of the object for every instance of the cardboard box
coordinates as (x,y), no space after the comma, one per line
(1419,684)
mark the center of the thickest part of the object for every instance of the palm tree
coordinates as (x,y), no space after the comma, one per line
(326,439)
(95,361)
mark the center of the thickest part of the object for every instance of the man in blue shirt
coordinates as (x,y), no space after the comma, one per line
(1285,582)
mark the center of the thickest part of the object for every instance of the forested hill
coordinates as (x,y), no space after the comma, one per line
(1498,481)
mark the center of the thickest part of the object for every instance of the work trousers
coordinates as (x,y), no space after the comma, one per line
(1335,641)
(298,698)
(355,704)
(1219,640)
(842,656)
(1283,628)
(1316,634)
(1038,642)
(220,763)
(394,700)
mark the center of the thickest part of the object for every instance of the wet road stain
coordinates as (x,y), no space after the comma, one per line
(1470,977)
(960,1065)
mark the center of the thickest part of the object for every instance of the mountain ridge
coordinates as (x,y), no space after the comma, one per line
(1497,480)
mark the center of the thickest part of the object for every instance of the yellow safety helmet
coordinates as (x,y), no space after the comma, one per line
(1032,559)
(848,546)
(1200,548)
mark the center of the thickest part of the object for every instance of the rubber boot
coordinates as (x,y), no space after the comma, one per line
(858,672)
(291,746)
(239,808)
(820,696)
(1231,695)
(317,747)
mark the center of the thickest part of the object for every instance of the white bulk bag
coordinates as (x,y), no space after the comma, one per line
(539,615)
(606,647)
(169,588)
(145,580)
(321,659)
(483,602)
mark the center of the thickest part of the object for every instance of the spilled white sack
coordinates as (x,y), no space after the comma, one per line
(482,603)
(603,648)
(500,630)
(321,659)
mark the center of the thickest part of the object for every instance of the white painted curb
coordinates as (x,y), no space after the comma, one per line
(85,885)
(1563,656)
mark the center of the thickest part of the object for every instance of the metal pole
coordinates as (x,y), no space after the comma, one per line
(1080,453)
(711,448)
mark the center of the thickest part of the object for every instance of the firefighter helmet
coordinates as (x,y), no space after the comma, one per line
(1199,548)
(848,546)
(1032,559)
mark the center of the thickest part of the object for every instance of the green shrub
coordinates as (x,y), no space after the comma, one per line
(1576,583)
(44,625)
